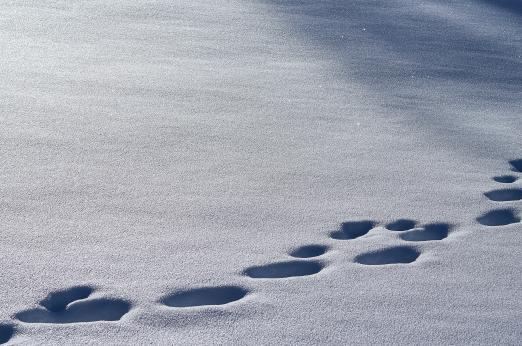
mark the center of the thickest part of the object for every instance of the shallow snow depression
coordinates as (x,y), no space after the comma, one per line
(261,172)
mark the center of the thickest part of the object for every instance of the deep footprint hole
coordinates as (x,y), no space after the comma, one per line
(95,310)
(504,195)
(393,255)
(498,217)
(516,165)
(353,229)
(102,309)
(58,301)
(284,270)
(205,296)
(6,333)
(401,225)
(505,179)
(309,251)
(433,231)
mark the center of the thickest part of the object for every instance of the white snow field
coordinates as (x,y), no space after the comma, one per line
(261,172)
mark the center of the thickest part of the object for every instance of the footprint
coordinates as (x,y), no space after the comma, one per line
(309,251)
(432,231)
(70,306)
(6,333)
(205,296)
(498,217)
(58,300)
(503,195)
(516,165)
(392,255)
(505,179)
(286,269)
(353,229)
(401,225)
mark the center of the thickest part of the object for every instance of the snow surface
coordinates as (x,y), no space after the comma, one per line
(162,160)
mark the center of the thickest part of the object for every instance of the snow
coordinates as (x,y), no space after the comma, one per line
(276,172)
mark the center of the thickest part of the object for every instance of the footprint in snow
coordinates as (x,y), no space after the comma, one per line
(504,195)
(72,305)
(205,296)
(286,269)
(505,179)
(391,255)
(353,229)
(431,231)
(401,225)
(6,333)
(516,165)
(499,217)
(309,251)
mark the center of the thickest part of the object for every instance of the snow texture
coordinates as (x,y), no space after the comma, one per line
(261,172)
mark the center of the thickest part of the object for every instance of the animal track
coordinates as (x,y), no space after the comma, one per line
(503,195)
(507,216)
(498,217)
(353,229)
(392,255)
(505,179)
(6,333)
(70,306)
(282,270)
(73,305)
(432,231)
(58,301)
(205,296)
(516,165)
(309,251)
(401,225)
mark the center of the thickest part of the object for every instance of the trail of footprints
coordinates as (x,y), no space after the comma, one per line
(409,230)
(75,304)
(512,193)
